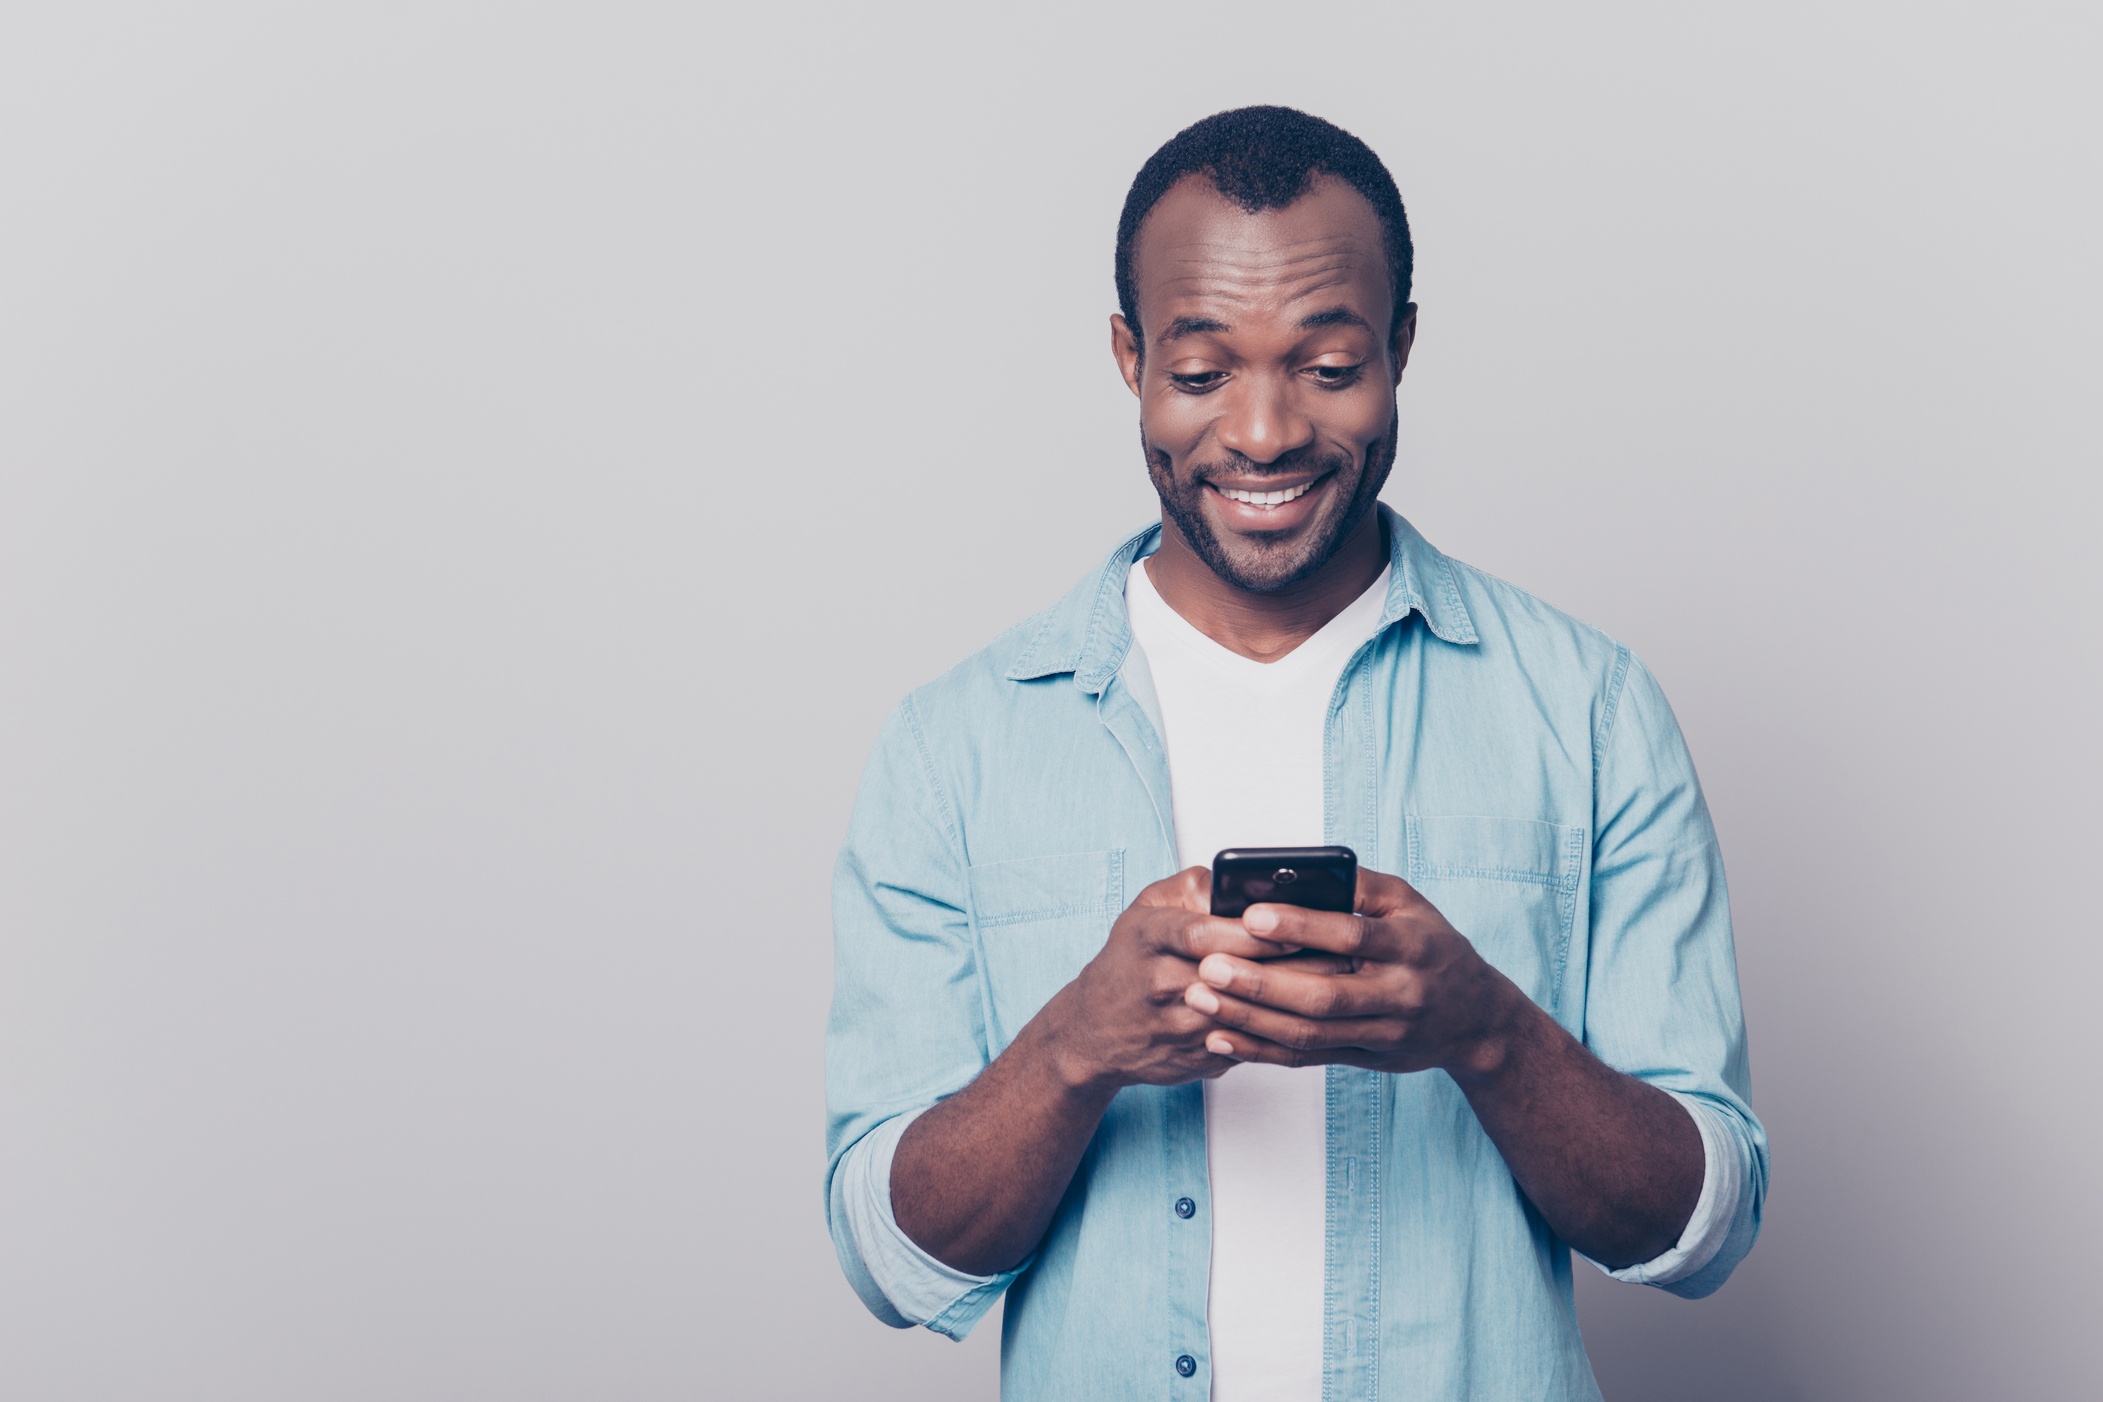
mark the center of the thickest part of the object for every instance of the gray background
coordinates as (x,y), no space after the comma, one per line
(473,479)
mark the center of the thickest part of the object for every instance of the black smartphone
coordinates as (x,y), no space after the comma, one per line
(1318,878)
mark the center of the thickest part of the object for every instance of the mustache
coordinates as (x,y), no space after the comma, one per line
(1244,468)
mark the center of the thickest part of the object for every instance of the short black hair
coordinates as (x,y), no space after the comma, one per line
(1265,158)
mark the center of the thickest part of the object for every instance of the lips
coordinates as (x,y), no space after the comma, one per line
(1261,508)
(1277,498)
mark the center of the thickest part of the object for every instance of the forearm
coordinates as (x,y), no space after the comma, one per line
(1613,1165)
(976,1178)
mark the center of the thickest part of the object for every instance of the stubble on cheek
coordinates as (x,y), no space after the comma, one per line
(1260,566)
(1183,504)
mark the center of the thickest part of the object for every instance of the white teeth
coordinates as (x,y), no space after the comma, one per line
(1266,498)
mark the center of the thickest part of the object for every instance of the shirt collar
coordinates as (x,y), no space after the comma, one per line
(1088,632)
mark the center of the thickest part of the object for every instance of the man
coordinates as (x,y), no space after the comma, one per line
(1294,1155)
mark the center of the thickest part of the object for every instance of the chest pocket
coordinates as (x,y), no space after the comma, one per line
(1509,885)
(1039,919)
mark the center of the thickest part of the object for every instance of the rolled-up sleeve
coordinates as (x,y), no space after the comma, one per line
(908,1026)
(917,1288)
(1661,998)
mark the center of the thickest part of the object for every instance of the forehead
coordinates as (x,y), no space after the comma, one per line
(1199,247)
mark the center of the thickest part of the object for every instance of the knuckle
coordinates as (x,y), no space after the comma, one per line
(1335,1000)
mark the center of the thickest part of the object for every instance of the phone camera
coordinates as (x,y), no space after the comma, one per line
(1286,876)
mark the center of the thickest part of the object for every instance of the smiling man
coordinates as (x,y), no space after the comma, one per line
(1293,1155)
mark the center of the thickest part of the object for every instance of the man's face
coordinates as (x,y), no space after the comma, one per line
(1267,379)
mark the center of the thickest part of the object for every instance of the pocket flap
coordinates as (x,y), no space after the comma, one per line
(1446,848)
(1047,888)
(1509,885)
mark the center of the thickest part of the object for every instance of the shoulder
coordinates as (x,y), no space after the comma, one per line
(1035,664)
(1515,626)
(1555,657)
(984,682)
(939,725)
(1531,659)
(1494,631)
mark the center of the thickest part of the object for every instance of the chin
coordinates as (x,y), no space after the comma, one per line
(1276,565)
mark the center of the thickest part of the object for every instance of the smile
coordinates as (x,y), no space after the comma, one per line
(1278,498)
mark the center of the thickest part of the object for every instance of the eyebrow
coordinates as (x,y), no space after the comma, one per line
(1204,325)
(1190,326)
(1334,316)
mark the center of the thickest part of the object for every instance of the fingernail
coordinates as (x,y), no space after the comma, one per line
(1200,997)
(1260,920)
(1218,1045)
(1215,970)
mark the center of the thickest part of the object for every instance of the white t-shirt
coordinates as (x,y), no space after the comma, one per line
(1245,768)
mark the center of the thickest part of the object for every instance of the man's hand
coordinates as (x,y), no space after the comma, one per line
(1613,1164)
(1413,996)
(1126,1019)
(975,1180)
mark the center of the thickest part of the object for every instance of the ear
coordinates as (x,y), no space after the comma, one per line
(1405,337)
(1124,347)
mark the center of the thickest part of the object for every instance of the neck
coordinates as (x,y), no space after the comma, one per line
(1265,627)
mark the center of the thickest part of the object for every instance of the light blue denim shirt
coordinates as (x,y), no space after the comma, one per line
(1519,768)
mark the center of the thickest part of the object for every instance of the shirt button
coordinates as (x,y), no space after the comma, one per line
(1186,1208)
(1186,1365)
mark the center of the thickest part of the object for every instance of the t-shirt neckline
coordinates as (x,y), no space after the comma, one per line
(1328,645)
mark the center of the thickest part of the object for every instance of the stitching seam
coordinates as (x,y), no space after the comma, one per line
(934,782)
(1061,912)
(1612,709)
(1564,882)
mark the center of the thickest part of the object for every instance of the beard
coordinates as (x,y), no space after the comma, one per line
(1270,563)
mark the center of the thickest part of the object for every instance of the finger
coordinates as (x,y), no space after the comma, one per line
(1169,974)
(1193,1030)
(1313,961)
(1186,1025)
(1167,977)
(1239,1046)
(1188,889)
(1330,931)
(1381,894)
(1192,937)
(1307,993)
(1301,1034)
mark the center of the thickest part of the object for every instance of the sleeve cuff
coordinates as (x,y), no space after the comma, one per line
(920,1288)
(1722,1188)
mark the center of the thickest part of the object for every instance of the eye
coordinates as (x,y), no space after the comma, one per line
(1197,382)
(1335,376)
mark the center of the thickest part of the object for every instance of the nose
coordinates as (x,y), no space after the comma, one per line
(1261,421)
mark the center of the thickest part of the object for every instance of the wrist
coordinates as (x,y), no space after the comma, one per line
(1067,1058)
(1483,1057)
